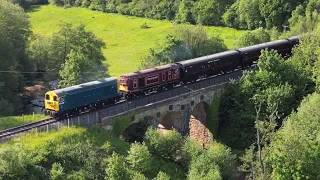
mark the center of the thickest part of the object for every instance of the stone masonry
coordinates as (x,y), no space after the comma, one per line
(185,113)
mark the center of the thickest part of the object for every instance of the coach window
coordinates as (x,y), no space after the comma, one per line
(55,98)
(163,76)
(169,75)
(176,74)
(135,83)
(47,97)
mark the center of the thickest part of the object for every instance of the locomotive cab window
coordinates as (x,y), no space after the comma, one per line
(122,81)
(163,76)
(47,97)
(169,75)
(55,98)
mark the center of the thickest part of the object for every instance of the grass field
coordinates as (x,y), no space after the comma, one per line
(126,42)
(12,121)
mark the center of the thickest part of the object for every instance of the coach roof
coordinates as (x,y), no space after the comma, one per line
(263,45)
(211,57)
(85,86)
(151,70)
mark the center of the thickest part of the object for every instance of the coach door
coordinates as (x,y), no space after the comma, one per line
(135,84)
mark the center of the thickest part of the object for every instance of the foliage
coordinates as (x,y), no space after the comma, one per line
(17,163)
(218,159)
(56,172)
(305,18)
(73,52)
(295,153)
(166,146)
(252,14)
(224,158)
(203,168)
(162,176)
(119,124)
(184,13)
(276,82)
(213,115)
(139,157)
(14,33)
(117,169)
(185,43)
(252,38)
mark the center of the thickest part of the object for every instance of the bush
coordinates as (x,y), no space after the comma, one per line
(252,37)
(224,158)
(139,157)
(166,145)
(144,26)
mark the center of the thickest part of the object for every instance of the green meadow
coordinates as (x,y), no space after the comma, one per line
(13,121)
(127,43)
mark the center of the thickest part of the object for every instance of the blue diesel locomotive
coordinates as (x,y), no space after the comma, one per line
(77,99)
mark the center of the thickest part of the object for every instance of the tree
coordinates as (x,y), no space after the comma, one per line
(230,17)
(117,169)
(185,43)
(71,46)
(166,145)
(14,33)
(295,151)
(203,168)
(139,157)
(70,73)
(40,53)
(17,162)
(277,12)
(249,14)
(252,38)
(185,12)
(209,12)
(223,157)
(274,79)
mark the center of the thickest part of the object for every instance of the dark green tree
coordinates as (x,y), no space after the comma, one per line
(252,38)
(295,150)
(277,12)
(249,14)
(14,34)
(273,76)
(185,12)
(185,43)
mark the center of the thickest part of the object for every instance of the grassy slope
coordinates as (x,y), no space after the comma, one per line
(126,42)
(8,122)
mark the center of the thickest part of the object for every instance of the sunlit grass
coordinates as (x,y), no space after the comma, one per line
(127,43)
(96,134)
(12,121)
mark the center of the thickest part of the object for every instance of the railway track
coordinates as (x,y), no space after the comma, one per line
(26,127)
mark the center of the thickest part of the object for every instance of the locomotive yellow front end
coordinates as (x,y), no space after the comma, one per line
(51,101)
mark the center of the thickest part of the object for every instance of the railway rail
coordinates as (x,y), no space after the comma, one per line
(26,127)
